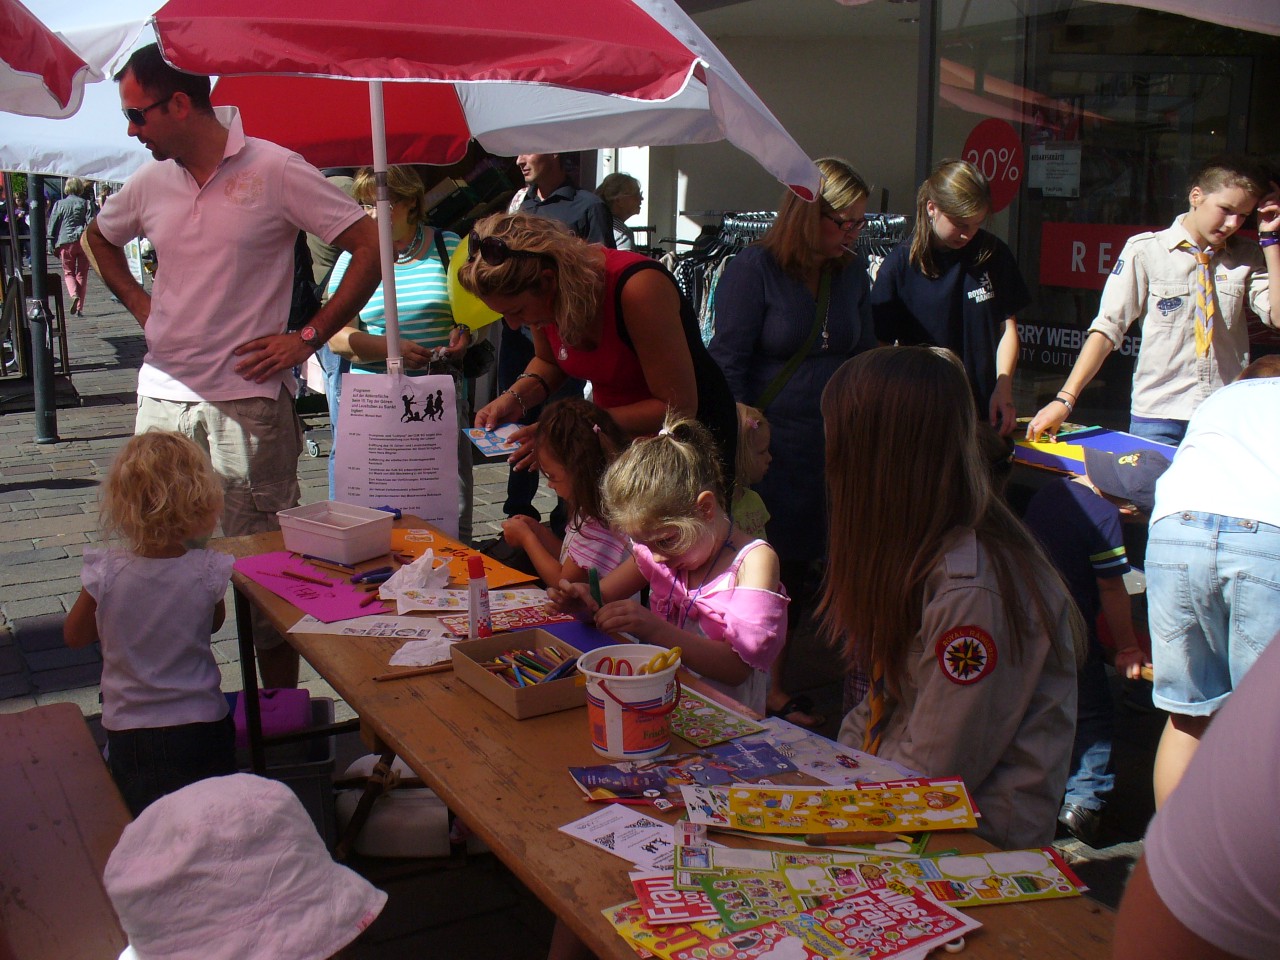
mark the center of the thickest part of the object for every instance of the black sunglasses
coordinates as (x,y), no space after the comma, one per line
(138,115)
(494,250)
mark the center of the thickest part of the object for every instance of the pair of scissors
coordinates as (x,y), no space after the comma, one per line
(617,667)
(661,661)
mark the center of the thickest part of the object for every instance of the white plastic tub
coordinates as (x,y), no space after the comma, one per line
(336,531)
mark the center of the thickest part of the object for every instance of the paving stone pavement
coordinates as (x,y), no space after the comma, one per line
(48,513)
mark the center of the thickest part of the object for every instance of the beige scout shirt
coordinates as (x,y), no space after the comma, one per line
(1154,282)
(969,709)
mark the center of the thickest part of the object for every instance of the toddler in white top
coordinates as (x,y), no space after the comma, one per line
(153,602)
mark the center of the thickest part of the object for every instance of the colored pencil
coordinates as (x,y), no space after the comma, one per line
(444,667)
(293,574)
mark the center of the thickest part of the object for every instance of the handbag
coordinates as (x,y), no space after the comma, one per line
(479,357)
(820,315)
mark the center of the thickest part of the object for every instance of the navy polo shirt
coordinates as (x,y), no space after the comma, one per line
(583,212)
(963,309)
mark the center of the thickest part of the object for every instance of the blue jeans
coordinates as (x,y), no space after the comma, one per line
(1161,431)
(150,762)
(1092,775)
(1213,605)
(334,367)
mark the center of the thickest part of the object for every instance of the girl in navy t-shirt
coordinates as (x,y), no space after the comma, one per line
(956,286)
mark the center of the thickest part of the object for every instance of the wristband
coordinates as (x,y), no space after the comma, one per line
(520,400)
(1069,394)
(546,387)
(1265,241)
(1066,403)
(1268,233)
(463,327)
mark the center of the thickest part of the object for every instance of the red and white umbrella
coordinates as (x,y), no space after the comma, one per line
(40,76)
(641,52)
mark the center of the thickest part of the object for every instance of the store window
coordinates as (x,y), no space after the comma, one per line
(1113,107)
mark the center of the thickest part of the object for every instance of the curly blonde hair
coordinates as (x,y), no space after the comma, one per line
(656,482)
(161,490)
(577,264)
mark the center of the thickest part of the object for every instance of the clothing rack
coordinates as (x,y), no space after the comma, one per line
(697,271)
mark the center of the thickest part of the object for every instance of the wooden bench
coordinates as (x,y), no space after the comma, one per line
(62,817)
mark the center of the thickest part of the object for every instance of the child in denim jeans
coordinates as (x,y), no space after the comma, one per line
(153,602)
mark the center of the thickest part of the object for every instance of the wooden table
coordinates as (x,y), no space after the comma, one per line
(62,818)
(507,780)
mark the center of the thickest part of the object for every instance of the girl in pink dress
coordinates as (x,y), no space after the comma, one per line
(713,590)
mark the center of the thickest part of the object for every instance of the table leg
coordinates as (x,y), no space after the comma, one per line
(382,779)
(249,682)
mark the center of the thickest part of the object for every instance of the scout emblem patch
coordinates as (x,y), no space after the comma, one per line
(966,654)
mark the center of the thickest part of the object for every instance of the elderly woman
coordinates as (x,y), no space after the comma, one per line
(789,311)
(612,317)
(430,340)
(67,221)
(622,195)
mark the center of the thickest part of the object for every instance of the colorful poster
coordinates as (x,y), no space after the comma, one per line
(658,781)
(894,805)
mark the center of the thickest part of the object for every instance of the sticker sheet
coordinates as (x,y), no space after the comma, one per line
(521,618)
(495,442)
(894,805)
(703,722)
(809,872)
(976,880)
(872,925)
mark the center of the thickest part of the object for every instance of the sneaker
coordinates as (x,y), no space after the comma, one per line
(1080,822)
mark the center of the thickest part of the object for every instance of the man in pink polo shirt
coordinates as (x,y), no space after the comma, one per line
(223,211)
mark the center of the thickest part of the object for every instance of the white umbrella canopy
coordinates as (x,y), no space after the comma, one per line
(40,75)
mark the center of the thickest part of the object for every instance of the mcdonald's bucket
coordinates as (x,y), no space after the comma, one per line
(631,691)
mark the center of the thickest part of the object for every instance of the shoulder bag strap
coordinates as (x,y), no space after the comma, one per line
(780,380)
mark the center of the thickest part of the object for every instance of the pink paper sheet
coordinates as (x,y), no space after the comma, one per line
(340,600)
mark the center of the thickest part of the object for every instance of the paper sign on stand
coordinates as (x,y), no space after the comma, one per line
(400,445)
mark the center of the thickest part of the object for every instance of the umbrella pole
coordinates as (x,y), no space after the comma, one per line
(386,247)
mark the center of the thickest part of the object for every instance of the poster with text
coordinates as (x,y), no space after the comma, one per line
(398,446)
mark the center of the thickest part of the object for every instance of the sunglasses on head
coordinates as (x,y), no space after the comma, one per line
(138,115)
(494,250)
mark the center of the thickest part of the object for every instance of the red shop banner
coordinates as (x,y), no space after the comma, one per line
(1082,254)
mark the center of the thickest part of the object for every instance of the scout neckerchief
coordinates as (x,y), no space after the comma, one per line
(877,718)
(1206,299)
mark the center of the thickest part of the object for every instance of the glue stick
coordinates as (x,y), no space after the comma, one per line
(480,622)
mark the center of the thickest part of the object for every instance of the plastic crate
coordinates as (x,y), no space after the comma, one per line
(311,779)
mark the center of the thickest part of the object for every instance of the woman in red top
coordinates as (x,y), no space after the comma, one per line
(613,317)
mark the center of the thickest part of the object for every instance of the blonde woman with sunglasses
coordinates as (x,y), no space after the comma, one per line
(609,316)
